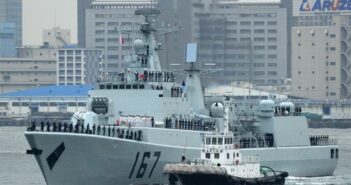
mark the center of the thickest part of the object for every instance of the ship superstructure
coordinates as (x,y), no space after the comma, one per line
(140,120)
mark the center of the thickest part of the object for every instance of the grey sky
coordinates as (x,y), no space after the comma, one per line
(40,14)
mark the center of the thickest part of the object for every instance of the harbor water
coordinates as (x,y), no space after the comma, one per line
(17,168)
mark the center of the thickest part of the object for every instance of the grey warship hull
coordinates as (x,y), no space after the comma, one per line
(73,158)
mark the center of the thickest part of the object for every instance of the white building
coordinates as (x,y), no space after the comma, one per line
(76,66)
(321,52)
(56,37)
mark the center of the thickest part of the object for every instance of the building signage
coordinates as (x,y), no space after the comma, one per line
(316,6)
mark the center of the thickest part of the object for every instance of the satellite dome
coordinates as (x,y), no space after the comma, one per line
(138,44)
(217,110)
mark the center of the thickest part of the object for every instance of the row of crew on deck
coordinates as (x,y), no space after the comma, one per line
(146,76)
(319,140)
(157,76)
(110,131)
(189,124)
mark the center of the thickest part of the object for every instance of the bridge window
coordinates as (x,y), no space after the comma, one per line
(208,156)
(102,86)
(128,86)
(122,86)
(208,141)
(115,86)
(216,155)
(142,86)
(220,141)
(331,153)
(108,86)
(214,140)
(135,86)
(337,153)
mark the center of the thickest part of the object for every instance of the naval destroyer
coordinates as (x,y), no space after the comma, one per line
(141,120)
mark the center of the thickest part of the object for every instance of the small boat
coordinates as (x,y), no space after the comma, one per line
(221,163)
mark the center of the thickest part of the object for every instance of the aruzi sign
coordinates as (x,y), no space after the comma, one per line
(325,5)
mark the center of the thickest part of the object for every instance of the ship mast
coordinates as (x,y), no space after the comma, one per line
(148,32)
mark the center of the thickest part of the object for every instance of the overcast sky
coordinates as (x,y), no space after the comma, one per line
(40,14)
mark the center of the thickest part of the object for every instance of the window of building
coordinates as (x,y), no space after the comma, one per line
(272,39)
(272,73)
(245,31)
(99,32)
(259,73)
(245,23)
(258,64)
(332,78)
(332,48)
(259,39)
(99,40)
(272,64)
(272,47)
(258,47)
(259,31)
(272,23)
(332,35)
(258,56)
(69,52)
(99,24)
(272,56)
(259,23)
(332,63)
(272,31)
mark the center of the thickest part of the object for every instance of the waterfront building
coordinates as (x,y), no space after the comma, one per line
(7,39)
(76,66)
(48,99)
(321,51)
(245,40)
(11,12)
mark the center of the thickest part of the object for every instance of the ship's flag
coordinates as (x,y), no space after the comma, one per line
(121,40)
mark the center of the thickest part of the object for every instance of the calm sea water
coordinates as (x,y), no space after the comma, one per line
(17,168)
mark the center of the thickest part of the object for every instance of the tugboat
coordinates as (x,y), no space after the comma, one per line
(221,163)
